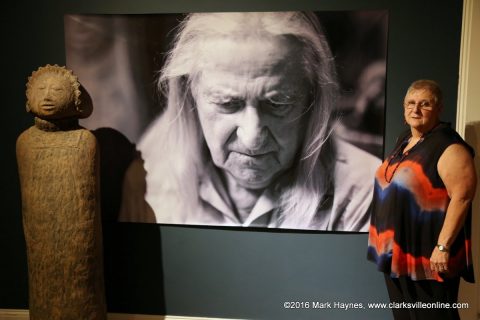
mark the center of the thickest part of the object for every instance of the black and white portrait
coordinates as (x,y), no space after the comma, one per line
(258,119)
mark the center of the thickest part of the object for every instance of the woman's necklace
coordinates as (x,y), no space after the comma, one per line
(395,154)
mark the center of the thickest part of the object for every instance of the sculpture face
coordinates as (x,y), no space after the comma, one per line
(51,96)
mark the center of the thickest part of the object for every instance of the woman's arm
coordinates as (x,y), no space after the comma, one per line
(457,170)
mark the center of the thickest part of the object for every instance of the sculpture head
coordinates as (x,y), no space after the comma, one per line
(53,92)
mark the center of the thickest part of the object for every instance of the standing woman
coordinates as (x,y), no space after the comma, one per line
(421,211)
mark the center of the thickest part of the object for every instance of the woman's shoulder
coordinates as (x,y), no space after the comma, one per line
(446,135)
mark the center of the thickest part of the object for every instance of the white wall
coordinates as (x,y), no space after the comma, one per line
(468,124)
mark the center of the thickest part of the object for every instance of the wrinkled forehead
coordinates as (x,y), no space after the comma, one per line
(251,64)
(249,54)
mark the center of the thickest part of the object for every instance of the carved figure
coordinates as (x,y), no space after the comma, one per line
(58,164)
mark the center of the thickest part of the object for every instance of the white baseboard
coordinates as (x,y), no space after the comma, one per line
(127,316)
(195,318)
(22,314)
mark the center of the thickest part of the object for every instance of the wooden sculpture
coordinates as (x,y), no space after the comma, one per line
(58,164)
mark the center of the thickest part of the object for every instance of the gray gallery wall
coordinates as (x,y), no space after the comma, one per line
(219,272)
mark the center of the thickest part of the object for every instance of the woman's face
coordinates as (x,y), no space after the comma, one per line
(420,110)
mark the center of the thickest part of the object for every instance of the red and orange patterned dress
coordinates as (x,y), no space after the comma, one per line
(408,209)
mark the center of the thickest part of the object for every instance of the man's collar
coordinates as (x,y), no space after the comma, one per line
(212,190)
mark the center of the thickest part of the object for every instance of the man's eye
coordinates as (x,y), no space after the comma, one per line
(229,106)
(277,108)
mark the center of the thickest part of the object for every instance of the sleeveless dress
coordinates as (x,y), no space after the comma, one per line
(408,209)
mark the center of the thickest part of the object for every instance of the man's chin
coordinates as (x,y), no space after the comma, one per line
(253,181)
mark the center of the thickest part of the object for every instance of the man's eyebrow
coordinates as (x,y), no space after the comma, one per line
(220,92)
(283,95)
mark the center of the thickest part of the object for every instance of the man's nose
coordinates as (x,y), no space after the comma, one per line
(251,130)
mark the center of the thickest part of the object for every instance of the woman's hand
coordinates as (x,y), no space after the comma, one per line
(439,260)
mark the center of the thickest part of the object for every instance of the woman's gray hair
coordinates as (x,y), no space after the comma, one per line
(175,139)
(430,85)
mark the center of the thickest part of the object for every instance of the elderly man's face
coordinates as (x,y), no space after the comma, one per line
(250,97)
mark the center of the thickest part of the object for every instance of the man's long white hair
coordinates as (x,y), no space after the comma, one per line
(174,148)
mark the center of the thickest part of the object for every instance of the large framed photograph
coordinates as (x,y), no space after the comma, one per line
(242,119)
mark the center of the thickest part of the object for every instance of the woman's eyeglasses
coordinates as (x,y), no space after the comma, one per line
(424,105)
